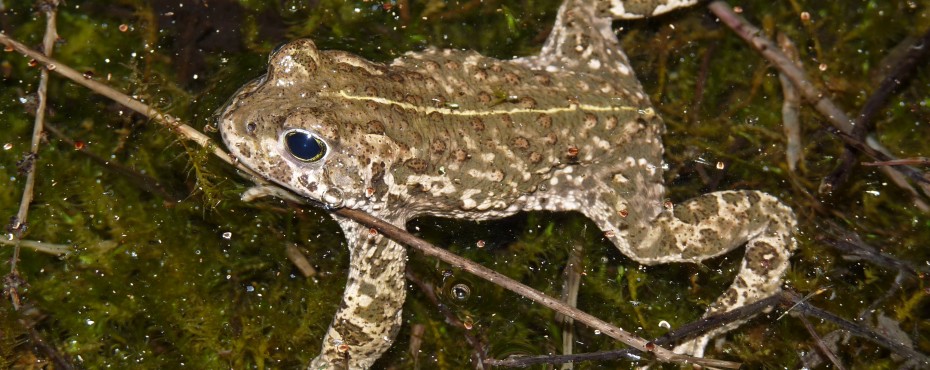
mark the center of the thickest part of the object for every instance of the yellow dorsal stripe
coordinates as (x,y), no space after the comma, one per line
(487,112)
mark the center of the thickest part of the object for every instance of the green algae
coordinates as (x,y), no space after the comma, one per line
(158,283)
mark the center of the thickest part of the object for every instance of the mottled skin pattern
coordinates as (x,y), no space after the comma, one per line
(455,134)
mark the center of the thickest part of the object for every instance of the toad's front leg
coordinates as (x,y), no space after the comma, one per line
(704,227)
(370,314)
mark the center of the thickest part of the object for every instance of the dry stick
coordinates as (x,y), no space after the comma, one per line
(826,107)
(19,224)
(53,249)
(689,330)
(571,284)
(391,231)
(791,107)
(919,161)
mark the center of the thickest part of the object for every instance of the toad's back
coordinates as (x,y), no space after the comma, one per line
(459,132)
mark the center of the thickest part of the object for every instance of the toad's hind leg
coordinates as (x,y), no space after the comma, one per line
(704,227)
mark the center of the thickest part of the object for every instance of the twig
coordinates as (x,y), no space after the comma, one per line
(820,344)
(571,284)
(919,161)
(865,121)
(391,231)
(19,223)
(805,308)
(790,109)
(835,116)
(173,124)
(53,249)
(689,330)
(901,73)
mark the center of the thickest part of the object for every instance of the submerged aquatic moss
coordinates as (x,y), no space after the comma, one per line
(201,279)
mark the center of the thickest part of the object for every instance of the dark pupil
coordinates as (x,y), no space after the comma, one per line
(304,146)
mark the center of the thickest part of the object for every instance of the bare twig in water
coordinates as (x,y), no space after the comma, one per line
(184,131)
(843,126)
(916,55)
(802,307)
(919,161)
(797,305)
(571,284)
(791,107)
(820,344)
(387,229)
(689,330)
(53,249)
(19,224)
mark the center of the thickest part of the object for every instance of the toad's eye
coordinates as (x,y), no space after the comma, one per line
(304,145)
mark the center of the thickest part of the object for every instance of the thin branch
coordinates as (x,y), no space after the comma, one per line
(172,123)
(834,115)
(919,161)
(690,330)
(865,121)
(820,344)
(49,248)
(791,107)
(391,231)
(19,223)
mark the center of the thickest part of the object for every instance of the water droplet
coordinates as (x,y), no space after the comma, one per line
(480,244)
(461,291)
(665,325)
(227,235)
(333,198)
(468,323)
(7,146)
(597,332)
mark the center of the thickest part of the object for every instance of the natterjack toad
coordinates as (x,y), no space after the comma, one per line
(455,134)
